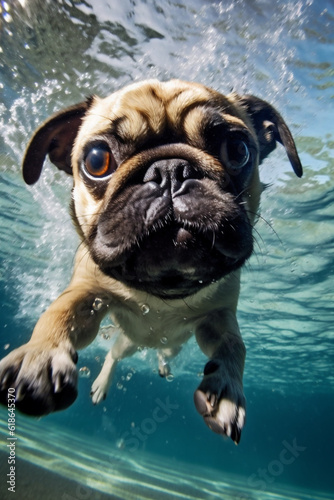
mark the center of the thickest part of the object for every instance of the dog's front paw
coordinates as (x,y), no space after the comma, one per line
(221,402)
(44,378)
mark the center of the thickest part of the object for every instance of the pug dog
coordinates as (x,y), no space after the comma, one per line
(166,191)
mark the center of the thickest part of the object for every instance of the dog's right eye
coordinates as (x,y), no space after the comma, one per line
(99,162)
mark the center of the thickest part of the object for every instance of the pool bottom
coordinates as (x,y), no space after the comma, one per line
(60,466)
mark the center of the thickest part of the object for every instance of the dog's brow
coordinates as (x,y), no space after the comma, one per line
(138,122)
(142,114)
(117,128)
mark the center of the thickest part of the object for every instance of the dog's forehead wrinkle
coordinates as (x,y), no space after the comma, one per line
(136,110)
(152,108)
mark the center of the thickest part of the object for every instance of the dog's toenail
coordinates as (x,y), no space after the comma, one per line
(212,400)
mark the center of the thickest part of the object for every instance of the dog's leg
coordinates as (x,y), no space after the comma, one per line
(43,372)
(219,398)
(122,348)
(163,356)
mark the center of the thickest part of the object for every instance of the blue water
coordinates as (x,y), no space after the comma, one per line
(53,54)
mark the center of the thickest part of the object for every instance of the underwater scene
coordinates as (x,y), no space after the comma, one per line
(146,440)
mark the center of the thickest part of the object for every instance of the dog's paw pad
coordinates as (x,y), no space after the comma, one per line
(203,402)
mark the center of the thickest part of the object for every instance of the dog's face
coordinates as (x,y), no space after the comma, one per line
(166,185)
(161,179)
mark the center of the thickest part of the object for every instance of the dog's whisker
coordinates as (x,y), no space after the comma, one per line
(259,216)
(213,239)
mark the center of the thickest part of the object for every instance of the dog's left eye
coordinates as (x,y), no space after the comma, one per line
(236,153)
(100,162)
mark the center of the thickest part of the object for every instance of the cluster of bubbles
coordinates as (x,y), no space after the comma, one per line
(124,378)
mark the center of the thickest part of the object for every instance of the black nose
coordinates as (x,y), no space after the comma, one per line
(172,175)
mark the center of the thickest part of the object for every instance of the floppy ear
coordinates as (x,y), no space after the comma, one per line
(270,127)
(55,138)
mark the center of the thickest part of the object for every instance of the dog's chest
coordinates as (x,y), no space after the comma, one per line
(149,326)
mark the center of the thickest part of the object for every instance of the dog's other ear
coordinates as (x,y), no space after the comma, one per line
(270,127)
(55,138)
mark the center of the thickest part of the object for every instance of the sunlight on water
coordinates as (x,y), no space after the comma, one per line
(120,475)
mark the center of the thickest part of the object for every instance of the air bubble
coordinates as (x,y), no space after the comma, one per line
(145,309)
(7,17)
(97,304)
(120,443)
(164,340)
(6,346)
(170,377)
(129,376)
(84,372)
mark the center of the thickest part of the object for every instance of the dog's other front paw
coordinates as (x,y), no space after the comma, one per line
(44,378)
(99,389)
(221,402)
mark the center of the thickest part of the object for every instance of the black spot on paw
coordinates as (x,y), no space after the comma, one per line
(211,367)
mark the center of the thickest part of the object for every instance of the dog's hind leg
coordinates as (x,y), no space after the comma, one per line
(122,348)
(163,356)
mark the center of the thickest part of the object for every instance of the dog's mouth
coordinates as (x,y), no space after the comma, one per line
(175,260)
